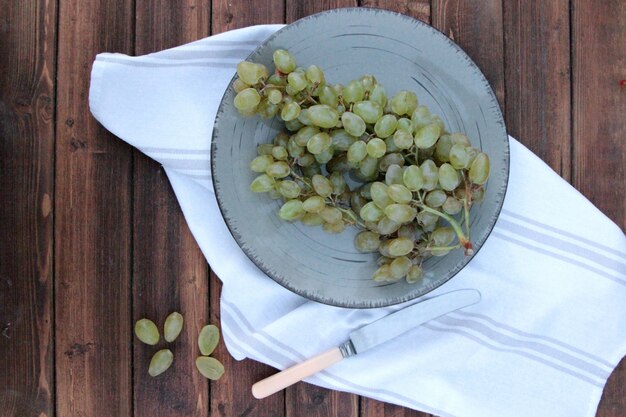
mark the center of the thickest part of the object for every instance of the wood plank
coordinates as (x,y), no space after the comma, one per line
(537,70)
(231,395)
(93,222)
(599,129)
(169,271)
(305,399)
(472,28)
(420,10)
(27,65)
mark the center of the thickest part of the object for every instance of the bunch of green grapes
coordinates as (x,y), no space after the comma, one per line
(416,181)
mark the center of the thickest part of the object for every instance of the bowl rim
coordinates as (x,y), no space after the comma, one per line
(477,243)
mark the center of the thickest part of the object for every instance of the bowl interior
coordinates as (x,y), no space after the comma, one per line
(402,53)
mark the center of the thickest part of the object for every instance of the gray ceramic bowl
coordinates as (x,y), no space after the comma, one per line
(402,53)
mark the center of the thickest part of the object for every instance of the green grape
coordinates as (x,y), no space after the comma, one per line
(274,96)
(379,194)
(442,149)
(386,226)
(459,157)
(353,92)
(281,139)
(312,219)
(399,193)
(414,274)
(452,205)
(314,204)
(353,124)
(262,184)
(265,149)
(328,95)
(338,182)
(403,139)
(400,246)
(443,236)
(322,185)
(239,85)
(318,143)
(290,111)
(261,162)
(391,146)
(293,149)
(266,109)
(311,170)
(394,175)
(277,80)
(274,194)
(404,102)
(357,201)
(291,210)
(367,241)
(382,274)
(479,170)
(297,81)
(341,139)
(330,214)
(378,95)
(279,153)
(430,173)
(304,117)
(339,163)
(306,160)
(247,100)
(293,125)
(337,227)
(366,190)
(368,82)
(426,219)
(405,125)
(400,267)
(420,117)
(478,194)
(400,213)
(314,74)
(472,153)
(323,116)
(376,148)
(289,189)
(383,260)
(304,134)
(437,121)
(371,212)
(408,230)
(368,167)
(284,61)
(385,126)
(383,249)
(278,169)
(413,178)
(390,159)
(448,177)
(460,138)
(435,198)
(338,89)
(325,156)
(251,73)
(427,136)
(369,111)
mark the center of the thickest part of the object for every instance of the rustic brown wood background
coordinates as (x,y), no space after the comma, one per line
(91,236)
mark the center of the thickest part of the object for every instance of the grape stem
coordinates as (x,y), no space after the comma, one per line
(464,241)
(352,216)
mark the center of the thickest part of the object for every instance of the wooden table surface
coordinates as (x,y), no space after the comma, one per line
(92,238)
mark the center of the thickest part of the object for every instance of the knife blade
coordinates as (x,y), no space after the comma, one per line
(368,337)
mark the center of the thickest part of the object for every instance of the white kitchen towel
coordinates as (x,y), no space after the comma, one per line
(550,328)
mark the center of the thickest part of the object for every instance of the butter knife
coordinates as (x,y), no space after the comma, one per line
(369,336)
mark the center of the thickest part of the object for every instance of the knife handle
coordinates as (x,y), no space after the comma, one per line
(290,376)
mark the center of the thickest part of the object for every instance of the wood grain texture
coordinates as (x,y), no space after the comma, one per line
(27,65)
(93,223)
(599,130)
(473,28)
(305,399)
(419,9)
(231,395)
(538,79)
(169,271)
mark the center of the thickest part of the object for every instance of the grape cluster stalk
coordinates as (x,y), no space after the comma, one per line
(416,182)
